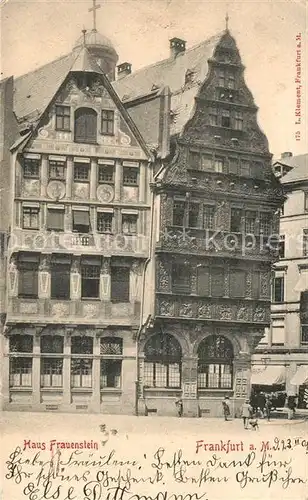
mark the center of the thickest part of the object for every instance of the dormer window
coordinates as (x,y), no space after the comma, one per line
(107,122)
(86,125)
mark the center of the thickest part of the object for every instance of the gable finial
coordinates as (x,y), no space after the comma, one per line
(227,20)
(94,9)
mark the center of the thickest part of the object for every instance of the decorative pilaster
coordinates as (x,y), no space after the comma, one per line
(93,179)
(105,280)
(44,277)
(13,277)
(189,386)
(67,367)
(44,175)
(69,176)
(36,370)
(96,385)
(75,278)
(5,348)
(117,181)
(135,281)
(142,182)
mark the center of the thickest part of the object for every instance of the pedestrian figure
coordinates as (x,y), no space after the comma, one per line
(179,405)
(246,413)
(268,406)
(226,407)
(253,422)
(291,407)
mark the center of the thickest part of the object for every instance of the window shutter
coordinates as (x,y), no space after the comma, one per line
(120,284)
(237,283)
(28,283)
(85,125)
(203,280)
(60,282)
(217,282)
(55,219)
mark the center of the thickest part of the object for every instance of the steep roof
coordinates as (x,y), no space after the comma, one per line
(299,171)
(171,72)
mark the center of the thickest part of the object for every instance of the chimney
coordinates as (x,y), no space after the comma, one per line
(177,45)
(286,154)
(124,69)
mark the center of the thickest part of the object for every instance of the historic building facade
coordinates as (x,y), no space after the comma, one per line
(216,208)
(281,360)
(139,257)
(78,243)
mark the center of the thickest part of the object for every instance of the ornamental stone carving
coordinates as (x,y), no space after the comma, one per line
(90,310)
(105,193)
(265,284)
(224,312)
(31,187)
(56,190)
(81,191)
(105,269)
(60,309)
(204,311)
(259,314)
(243,313)
(165,308)
(28,308)
(186,310)
(163,276)
(249,277)
(136,267)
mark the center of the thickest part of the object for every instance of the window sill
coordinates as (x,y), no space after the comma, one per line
(31,228)
(97,299)
(115,301)
(52,389)
(60,298)
(105,134)
(111,390)
(22,388)
(85,181)
(63,130)
(33,178)
(32,297)
(55,230)
(91,143)
(81,389)
(111,183)
(165,389)
(130,185)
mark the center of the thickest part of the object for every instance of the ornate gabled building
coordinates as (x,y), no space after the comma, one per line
(216,207)
(280,362)
(140,256)
(78,240)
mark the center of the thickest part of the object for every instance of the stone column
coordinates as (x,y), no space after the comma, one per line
(67,368)
(36,370)
(142,183)
(44,175)
(5,348)
(241,382)
(93,179)
(105,280)
(117,181)
(69,176)
(189,386)
(96,385)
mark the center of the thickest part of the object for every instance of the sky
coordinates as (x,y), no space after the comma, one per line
(36,32)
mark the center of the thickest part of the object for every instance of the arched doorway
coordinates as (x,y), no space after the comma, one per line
(162,362)
(215,363)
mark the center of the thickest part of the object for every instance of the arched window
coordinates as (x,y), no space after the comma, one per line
(215,357)
(162,364)
(85,125)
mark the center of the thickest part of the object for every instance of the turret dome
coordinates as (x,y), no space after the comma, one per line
(102,49)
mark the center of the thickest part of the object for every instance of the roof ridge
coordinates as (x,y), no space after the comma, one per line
(169,59)
(43,66)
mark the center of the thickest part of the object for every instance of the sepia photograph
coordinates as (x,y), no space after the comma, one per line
(154,249)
